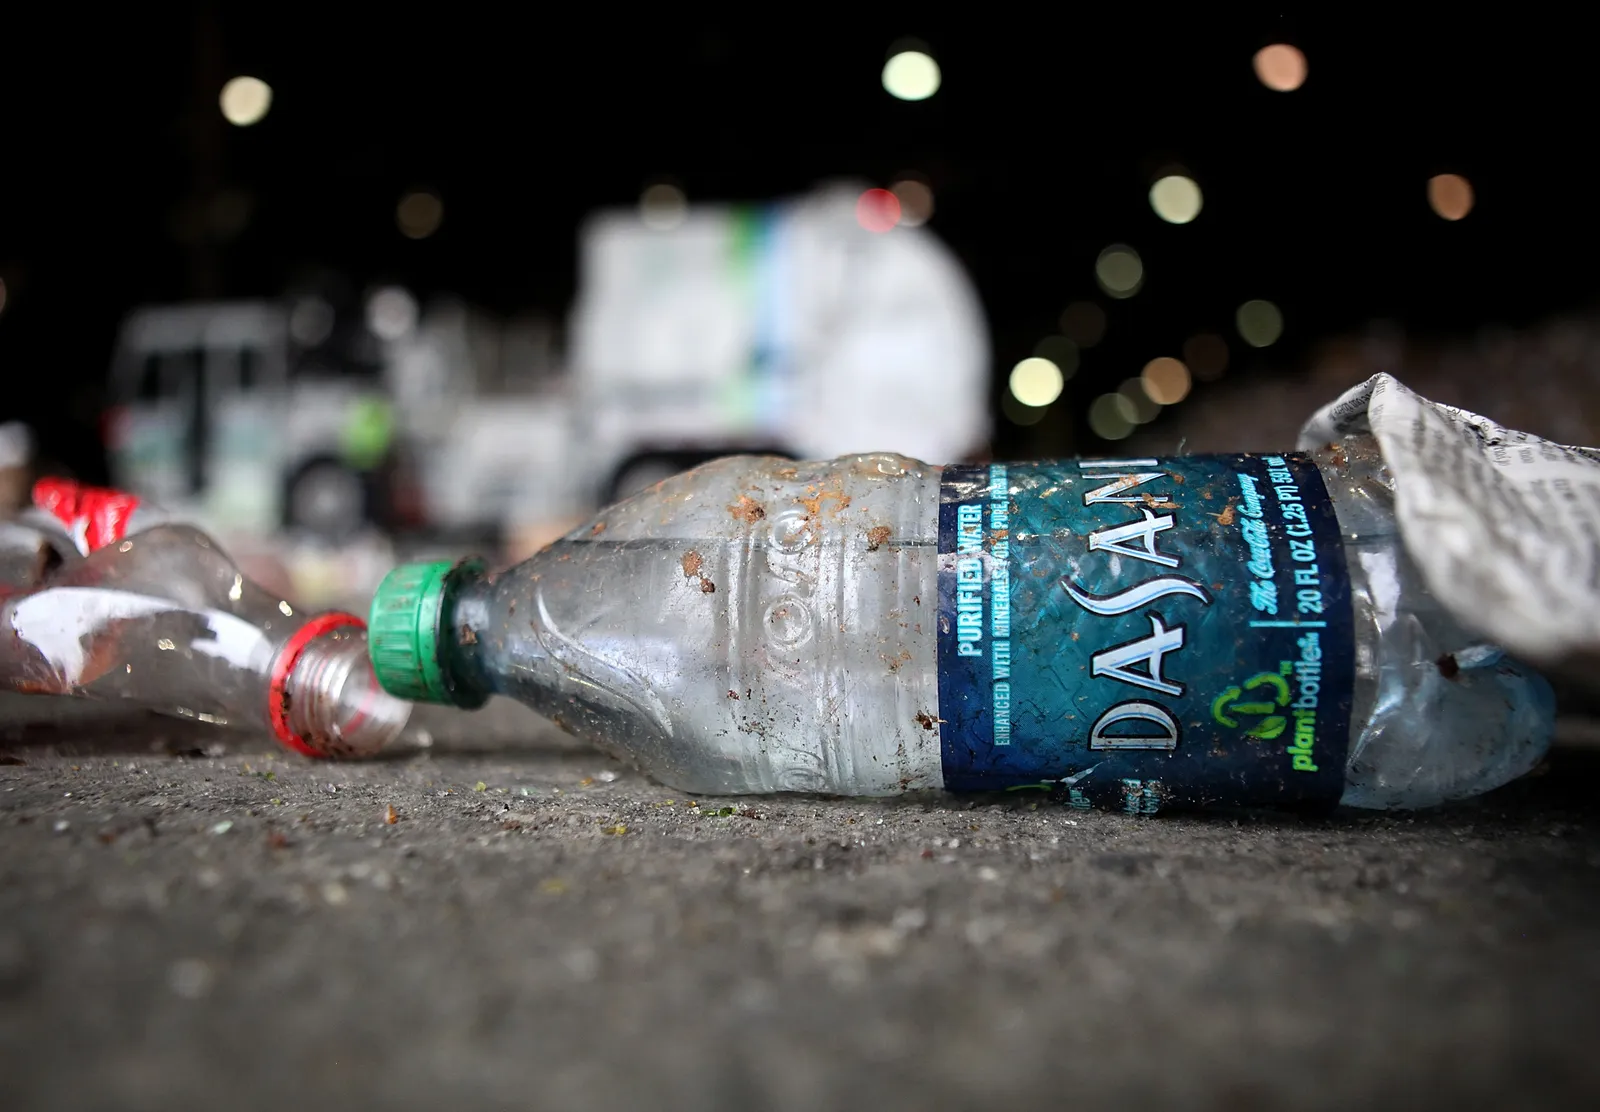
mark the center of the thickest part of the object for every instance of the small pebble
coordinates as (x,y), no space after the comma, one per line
(909,919)
(190,978)
(583,964)
(222,827)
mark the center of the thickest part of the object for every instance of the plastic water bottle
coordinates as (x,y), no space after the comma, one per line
(1138,634)
(161,618)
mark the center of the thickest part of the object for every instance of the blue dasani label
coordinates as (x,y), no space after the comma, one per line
(1145,633)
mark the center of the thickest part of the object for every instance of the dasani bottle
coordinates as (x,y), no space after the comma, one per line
(1139,634)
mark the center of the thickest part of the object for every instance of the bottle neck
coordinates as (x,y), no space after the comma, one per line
(466,633)
(492,638)
(331,702)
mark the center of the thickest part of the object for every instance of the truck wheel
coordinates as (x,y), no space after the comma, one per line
(327,499)
(642,472)
(645,469)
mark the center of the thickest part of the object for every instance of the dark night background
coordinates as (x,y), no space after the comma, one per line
(1040,145)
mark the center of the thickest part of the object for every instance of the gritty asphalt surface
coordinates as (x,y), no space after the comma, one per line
(184,925)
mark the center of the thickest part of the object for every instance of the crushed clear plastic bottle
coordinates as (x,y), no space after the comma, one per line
(1438,714)
(760,625)
(165,620)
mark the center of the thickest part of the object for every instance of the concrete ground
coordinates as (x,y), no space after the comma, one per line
(503,920)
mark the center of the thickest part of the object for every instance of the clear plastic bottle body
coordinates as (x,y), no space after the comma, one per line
(165,620)
(760,625)
(757,625)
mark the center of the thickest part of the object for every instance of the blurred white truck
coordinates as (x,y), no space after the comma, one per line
(220,414)
(785,328)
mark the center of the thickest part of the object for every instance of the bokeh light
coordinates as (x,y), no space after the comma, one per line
(1036,381)
(1084,323)
(911,75)
(419,214)
(1060,351)
(1176,199)
(916,201)
(1207,356)
(245,100)
(1111,416)
(1119,270)
(1260,323)
(1165,380)
(663,206)
(1450,195)
(877,210)
(391,313)
(1019,414)
(1281,67)
(1143,408)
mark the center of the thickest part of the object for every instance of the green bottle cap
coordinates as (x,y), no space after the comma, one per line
(403,632)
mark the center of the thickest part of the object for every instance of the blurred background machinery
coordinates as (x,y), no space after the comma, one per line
(784,328)
(373,290)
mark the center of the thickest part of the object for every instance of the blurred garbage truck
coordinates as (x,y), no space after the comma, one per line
(786,328)
(245,417)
